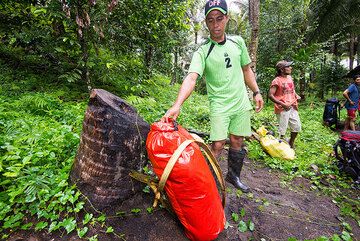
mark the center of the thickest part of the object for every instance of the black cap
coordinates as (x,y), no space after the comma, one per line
(216,5)
(282,64)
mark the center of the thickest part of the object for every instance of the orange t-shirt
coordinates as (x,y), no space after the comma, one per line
(285,92)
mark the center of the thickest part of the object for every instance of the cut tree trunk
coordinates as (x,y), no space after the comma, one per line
(112,144)
(254,12)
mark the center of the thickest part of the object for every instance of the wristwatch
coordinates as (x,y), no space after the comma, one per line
(256,92)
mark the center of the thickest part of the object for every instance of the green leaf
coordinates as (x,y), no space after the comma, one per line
(251,226)
(26,226)
(13,221)
(346,236)
(79,206)
(322,238)
(121,213)
(242,212)
(26,160)
(60,50)
(54,226)
(82,232)
(238,193)
(150,209)
(242,226)
(335,237)
(109,230)
(347,226)
(11,174)
(40,226)
(101,218)
(292,239)
(146,189)
(235,217)
(87,218)
(93,238)
(250,195)
(136,210)
(12,41)
(69,224)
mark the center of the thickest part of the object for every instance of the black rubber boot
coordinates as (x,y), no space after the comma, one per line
(235,164)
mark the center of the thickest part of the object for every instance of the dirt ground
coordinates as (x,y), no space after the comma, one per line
(279,211)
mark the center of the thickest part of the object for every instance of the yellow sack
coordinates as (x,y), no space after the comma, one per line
(275,147)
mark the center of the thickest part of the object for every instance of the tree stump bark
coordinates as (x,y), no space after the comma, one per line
(112,143)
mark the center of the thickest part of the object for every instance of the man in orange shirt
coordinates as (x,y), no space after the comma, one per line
(282,93)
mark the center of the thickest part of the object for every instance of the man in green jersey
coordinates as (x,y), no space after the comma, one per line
(225,62)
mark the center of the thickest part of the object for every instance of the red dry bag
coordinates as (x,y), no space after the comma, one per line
(189,185)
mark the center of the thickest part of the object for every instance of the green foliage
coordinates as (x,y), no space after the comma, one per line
(331,79)
(94,42)
(36,154)
(333,18)
(281,30)
(38,140)
(194,113)
(242,225)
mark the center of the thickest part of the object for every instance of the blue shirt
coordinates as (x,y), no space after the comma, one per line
(354,97)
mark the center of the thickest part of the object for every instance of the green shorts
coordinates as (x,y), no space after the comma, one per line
(236,124)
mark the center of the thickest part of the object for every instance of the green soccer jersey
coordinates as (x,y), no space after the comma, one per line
(223,74)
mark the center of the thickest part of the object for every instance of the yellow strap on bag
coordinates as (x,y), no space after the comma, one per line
(159,187)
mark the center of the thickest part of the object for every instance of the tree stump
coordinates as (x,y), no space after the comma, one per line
(112,144)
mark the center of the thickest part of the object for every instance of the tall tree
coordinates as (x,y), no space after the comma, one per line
(336,19)
(254,11)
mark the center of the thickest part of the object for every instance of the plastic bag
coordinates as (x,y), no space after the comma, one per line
(190,187)
(275,147)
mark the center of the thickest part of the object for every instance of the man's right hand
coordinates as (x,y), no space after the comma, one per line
(173,113)
(286,106)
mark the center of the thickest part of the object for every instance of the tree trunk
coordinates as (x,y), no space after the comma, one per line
(148,59)
(254,11)
(351,51)
(83,22)
(174,78)
(335,51)
(85,76)
(302,84)
(321,90)
(279,37)
(358,50)
(112,144)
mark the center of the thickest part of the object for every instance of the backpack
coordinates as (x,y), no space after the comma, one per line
(347,152)
(331,115)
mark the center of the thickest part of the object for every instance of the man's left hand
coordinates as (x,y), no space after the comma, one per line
(259,103)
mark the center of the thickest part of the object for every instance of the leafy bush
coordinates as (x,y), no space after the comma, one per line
(37,145)
(160,97)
